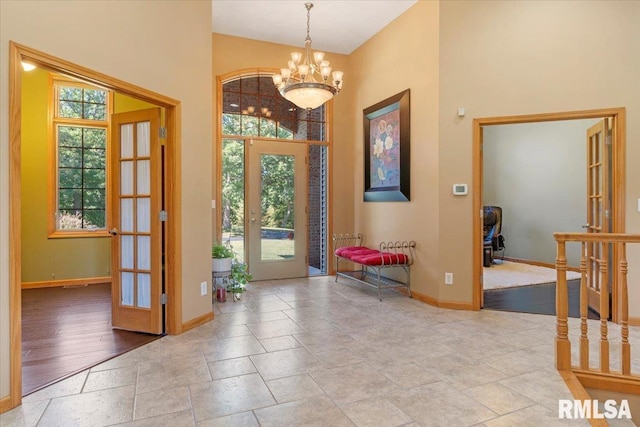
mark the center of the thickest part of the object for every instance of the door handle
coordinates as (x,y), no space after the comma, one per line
(585,225)
(253,220)
(113,231)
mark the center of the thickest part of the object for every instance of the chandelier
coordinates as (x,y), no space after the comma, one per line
(305,81)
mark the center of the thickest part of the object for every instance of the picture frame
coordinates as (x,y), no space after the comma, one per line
(387,146)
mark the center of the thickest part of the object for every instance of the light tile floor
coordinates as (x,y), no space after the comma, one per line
(313,352)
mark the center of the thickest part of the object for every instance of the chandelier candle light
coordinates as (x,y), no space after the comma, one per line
(306,80)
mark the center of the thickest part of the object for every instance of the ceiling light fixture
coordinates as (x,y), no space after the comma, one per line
(27,66)
(306,80)
(251,111)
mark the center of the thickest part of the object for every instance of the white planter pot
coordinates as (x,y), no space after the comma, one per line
(220,264)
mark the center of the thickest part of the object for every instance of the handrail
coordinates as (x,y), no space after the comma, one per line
(597,237)
(594,283)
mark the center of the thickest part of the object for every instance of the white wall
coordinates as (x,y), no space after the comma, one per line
(163,46)
(537,173)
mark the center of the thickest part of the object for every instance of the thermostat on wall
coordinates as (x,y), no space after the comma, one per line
(460,189)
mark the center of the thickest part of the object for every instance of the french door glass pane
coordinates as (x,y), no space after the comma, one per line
(144,215)
(144,141)
(277,206)
(126,252)
(126,141)
(126,178)
(126,288)
(144,178)
(144,290)
(126,215)
(144,253)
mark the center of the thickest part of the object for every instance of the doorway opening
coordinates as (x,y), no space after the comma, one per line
(170,194)
(502,137)
(273,178)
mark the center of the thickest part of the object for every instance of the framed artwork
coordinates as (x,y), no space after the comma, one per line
(387,150)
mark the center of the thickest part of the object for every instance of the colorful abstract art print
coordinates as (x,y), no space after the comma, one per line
(387,150)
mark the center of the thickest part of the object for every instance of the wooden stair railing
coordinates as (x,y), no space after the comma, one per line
(595,250)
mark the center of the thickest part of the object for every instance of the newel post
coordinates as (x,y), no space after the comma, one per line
(562,343)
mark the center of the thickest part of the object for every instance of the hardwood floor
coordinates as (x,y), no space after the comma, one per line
(537,299)
(66,330)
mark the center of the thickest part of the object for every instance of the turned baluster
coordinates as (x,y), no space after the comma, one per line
(562,343)
(625,348)
(604,313)
(584,311)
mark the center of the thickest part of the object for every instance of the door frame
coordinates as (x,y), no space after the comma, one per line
(172,274)
(251,186)
(618,160)
(216,178)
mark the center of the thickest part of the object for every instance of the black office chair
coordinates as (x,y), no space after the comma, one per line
(493,239)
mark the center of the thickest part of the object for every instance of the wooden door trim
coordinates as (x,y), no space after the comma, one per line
(618,141)
(173,270)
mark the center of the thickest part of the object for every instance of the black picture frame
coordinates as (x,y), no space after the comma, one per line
(387,150)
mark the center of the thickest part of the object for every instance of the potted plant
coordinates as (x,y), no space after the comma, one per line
(239,277)
(221,257)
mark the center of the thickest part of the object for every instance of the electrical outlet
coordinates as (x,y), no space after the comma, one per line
(203,288)
(448,278)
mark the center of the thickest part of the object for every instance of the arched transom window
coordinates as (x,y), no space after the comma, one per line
(252,106)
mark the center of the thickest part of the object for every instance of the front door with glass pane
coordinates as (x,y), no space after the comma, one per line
(135,221)
(276,209)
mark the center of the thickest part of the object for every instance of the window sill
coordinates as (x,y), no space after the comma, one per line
(78,234)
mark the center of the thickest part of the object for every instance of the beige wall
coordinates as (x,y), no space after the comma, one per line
(494,58)
(232,54)
(404,55)
(165,48)
(511,58)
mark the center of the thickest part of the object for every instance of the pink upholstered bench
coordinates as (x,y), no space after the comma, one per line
(397,255)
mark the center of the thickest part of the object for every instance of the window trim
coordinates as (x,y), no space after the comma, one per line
(55,81)
(219,136)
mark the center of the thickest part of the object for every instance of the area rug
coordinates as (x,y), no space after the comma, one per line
(505,274)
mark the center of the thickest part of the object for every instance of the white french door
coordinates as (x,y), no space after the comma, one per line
(276,209)
(135,221)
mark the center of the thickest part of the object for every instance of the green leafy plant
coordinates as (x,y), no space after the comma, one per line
(219,250)
(240,273)
(239,277)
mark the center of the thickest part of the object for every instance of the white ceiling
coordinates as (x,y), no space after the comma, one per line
(338,26)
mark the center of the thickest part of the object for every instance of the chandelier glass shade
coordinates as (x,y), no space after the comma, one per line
(308,80)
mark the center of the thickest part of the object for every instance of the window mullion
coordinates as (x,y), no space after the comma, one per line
(84,143)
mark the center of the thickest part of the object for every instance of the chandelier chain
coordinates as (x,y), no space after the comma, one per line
(309,6)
